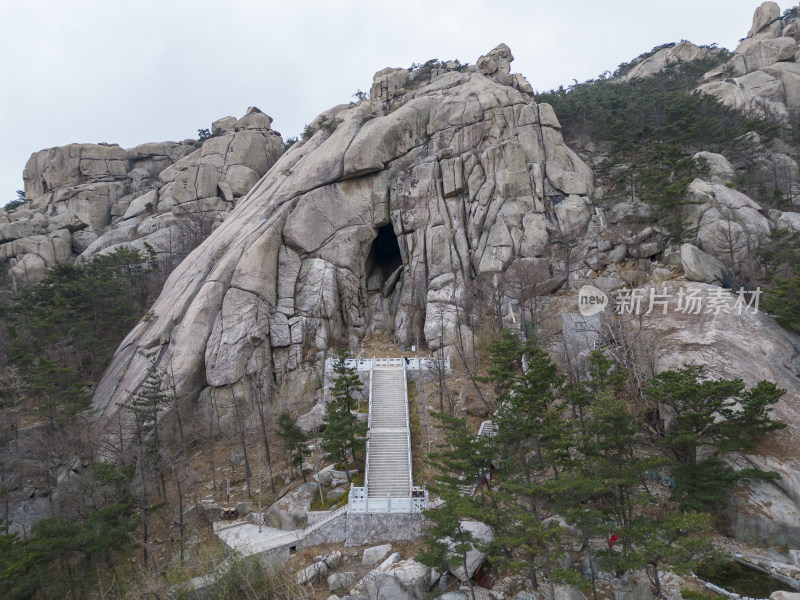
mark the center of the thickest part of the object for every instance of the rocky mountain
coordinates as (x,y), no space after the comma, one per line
(763,75)
(380,219)
(447,186)
(85,199)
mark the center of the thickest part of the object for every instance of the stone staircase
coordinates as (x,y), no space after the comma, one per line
(388,469)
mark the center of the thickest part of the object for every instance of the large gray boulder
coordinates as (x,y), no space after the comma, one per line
(788,220)
(168,195)
(313,572)
(744,344)
(720,168)
(762,78)
(680,52)
(482,534)
(765,16)
(291,511)
(565,592)
(726,209)
(374,554)
(781,595)
(403,580)
(339,582)
(699,266)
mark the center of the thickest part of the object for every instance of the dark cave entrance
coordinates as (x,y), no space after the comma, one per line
(384,262)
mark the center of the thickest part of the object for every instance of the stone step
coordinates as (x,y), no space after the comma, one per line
(387,470)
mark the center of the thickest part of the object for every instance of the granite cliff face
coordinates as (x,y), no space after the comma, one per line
(380,219)
(91,198)
(763,76)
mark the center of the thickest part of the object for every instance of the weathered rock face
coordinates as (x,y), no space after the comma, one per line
(403,580)
(91,198)
(751,347)
(763,77)
(730,343)
(729,224)
(483,535)
(383,218)
(680,52)
(291,511)
(397,209)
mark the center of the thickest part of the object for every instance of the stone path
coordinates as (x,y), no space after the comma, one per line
(246,539)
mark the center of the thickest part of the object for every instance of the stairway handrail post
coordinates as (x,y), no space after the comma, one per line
(408,427)
(369,428)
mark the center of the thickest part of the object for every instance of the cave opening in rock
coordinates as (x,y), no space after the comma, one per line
(383,262)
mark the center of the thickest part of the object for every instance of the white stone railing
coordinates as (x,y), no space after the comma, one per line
(326,519)
(411,364)
(359,502)
(408,428)
(369,428)
(488,429)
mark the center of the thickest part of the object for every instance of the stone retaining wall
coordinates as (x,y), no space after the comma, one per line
(334,531)
(367,528)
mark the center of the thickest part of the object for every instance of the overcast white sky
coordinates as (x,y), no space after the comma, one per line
(140,71)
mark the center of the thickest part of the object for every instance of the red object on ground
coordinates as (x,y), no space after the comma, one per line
(483,579)
(612,539)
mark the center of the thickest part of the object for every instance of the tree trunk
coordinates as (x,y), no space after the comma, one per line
(549,573)
(143,510)
(180,513)
(656,580)
(180,428)
(266,440)
(469,579)
(344,460)
(242,437)
(591,565)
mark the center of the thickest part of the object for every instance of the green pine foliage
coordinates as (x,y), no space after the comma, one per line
(294,441)
(62,557)
(461,463)
(781,258)
(20,200)
(718,416)
(653,126)
(668,537)
(344,434)
(654,110)
(533,442)
(578,452)
(149,401)
(64,330)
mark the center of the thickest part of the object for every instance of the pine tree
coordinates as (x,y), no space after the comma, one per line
(145,407)
(533,443)
(718,415)
(669,537)
(462,461)
(603,491)
(294,441)
(447,541)
(344,433)
(461,464)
